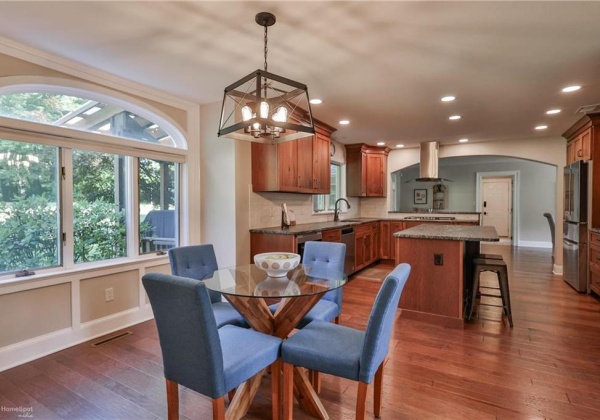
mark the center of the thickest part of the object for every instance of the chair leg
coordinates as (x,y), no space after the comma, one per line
(231,394)
(172,400)
(288,391)
(219,408)
(506,293)
(476,274)
(361,401)
(275,386)
(316,380)
(337,320)
(378,385)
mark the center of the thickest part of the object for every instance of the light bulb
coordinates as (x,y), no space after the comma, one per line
(281,114)
(264,109)
(246,113)
(256,126)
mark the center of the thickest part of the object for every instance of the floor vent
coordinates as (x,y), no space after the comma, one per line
(111,338)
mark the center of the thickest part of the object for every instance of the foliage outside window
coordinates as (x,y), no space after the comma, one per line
(32,221)
(326,202)
(29,209)
(99,206)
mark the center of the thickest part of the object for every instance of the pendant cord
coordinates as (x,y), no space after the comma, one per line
(266,66)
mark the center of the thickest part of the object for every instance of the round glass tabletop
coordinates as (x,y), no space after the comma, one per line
(251,281)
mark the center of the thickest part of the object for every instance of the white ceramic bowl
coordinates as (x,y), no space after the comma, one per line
(276,264)
(276,287)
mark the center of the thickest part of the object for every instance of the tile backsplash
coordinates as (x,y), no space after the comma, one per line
(265,209)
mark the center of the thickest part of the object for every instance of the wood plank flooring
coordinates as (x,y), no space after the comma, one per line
(547,366)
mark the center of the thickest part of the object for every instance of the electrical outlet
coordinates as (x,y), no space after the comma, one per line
(438,259)
(109,294)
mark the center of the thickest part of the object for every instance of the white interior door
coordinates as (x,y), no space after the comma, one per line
(496,204)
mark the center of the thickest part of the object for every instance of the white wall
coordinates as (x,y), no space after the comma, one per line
(537,195)
(218,187)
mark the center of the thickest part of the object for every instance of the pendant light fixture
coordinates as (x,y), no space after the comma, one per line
(263,107)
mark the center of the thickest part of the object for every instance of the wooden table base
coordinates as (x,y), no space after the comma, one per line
(280,324)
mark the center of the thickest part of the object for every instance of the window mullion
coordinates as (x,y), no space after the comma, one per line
(133,211)
(66,198)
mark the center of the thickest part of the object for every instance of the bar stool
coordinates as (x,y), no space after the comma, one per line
(481,265)
(489,256)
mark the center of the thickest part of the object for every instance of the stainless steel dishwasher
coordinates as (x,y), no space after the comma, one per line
(348,239)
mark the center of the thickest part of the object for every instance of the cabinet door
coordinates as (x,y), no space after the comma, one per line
(586,144)
(287,155)
(375,175)
(305,164)
(570,152)
(394,227)
(385,239)
(321,164)
(359,252)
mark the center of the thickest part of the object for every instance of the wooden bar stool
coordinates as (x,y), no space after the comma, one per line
(481,265)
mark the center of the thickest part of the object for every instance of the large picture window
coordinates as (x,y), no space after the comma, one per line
(96,186)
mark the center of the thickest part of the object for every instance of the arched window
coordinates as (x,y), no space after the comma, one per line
(69,196)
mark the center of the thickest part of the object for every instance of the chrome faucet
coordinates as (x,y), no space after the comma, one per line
(336,212)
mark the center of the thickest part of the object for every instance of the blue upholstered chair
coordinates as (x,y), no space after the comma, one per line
(323,257)
(199,262)
(197,354)
(346,352)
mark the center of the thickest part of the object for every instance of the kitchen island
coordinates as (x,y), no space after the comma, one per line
(441,274)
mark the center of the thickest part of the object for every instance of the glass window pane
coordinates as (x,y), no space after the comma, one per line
(82,114)
(158,208)
(99,206)
(29,206)
(334,192)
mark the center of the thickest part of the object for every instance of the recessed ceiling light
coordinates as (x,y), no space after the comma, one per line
(454,117)
(553,111)
(448,98)
(541,127)
(571,88)
(380,143)
(399,146)
(74,120)
(463,140)
(92,110)
(316,101)
(344,122)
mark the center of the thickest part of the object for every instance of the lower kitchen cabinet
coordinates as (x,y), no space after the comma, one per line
(367,244)
(595,262)
(332,235)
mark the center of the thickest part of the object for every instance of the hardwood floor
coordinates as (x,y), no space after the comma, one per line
(547,366)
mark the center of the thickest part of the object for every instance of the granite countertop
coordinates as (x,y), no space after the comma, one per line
(306,228)
(450,232)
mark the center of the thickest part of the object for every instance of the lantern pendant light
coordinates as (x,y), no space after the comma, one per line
(264,107)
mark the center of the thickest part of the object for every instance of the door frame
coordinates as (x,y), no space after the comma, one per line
(515,176)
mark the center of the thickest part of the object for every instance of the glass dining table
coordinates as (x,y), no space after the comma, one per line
(247,287)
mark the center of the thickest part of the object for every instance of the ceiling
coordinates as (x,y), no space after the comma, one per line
(382,65)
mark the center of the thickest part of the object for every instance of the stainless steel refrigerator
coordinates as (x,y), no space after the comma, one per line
(575,249)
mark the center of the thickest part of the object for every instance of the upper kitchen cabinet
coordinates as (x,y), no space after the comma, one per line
(366,172)
(581,138)
(298,166)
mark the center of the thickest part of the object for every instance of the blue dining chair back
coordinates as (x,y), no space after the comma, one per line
(199,262)
(323,257)
(195,262)
(352,354)
(197,354)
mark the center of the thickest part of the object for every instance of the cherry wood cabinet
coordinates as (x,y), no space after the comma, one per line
(366,170)
(332,235)
(595,262)
(297,166)
(580,146)
(367,244)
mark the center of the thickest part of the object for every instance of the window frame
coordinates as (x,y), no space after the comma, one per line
(67,140)
(341,188)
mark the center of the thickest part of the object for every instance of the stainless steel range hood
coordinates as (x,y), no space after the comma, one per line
(428,166)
